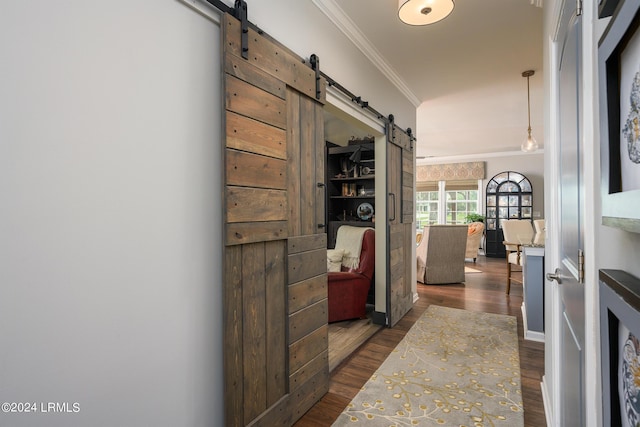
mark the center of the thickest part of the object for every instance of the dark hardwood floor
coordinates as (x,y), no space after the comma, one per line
(481,292)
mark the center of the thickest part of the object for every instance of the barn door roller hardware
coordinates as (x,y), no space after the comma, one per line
(315,65)
(239,11)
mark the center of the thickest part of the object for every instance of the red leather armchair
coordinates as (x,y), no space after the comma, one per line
(348,290)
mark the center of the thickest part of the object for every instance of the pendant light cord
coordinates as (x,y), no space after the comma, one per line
(528,105)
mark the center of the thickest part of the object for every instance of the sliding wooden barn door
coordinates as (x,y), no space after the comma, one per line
(275,280)
(401,227)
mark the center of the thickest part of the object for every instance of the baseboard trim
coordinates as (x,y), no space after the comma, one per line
(530,335)
(379,318)
(546,401)
(534,336)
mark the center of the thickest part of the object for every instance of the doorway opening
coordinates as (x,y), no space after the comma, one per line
(351,184)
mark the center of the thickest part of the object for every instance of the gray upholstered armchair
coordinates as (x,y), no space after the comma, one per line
(440,255)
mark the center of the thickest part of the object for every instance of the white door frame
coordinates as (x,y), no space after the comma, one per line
(551,384)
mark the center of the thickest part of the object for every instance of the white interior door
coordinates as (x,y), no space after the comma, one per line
(570,221)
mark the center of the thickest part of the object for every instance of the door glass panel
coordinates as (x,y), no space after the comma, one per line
(501,177)
(509,187)
(516,177)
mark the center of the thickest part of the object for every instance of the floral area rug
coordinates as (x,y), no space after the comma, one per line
(453,368)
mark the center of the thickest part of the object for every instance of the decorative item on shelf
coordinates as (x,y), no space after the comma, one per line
(355,158)
(364,140)
(344,166)
(365,211)
(529,144)
(348,190)
(424,12)
(366,170)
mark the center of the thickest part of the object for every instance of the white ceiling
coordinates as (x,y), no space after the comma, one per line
(464,74)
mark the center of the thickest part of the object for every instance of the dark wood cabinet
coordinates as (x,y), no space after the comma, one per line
(509,195)
(350,187)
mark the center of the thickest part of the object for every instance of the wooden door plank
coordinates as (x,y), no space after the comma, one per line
(297,244)
(244,70)
(320,191)
(251,101)
(307,162)
(307,292)
(293,156)
(253,170)
(407,160)
(252,204)
(254,331)
(275,320)
(307,320)
(409,236)
(305,349)
(250,135)
(250,232)
(233,357)
(320,363)
(307,264)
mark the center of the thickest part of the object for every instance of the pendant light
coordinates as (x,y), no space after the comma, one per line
(424,12)
(530,144)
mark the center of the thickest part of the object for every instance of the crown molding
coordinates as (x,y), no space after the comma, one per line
(336,15)
(474,157)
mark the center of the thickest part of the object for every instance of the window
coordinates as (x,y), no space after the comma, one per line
(461,203)
(427,207)
(446,202)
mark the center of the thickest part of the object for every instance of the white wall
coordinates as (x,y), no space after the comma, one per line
(110,256)
(109,177)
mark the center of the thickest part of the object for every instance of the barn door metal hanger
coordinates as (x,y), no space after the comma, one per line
(239,11)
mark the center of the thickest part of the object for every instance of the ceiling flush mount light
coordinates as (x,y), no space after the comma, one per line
(424,12)
(529,144)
